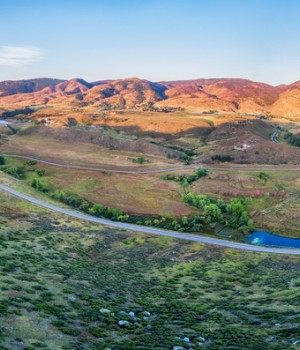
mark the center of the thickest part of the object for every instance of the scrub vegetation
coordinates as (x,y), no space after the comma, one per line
(67,284)
(73,285)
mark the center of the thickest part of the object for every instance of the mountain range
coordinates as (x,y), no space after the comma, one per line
(200,95)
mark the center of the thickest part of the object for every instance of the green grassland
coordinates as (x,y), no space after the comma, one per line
(68,284)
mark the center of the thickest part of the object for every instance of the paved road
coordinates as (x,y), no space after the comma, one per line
(81,167)
(150,230)
(274,136)
(163,170)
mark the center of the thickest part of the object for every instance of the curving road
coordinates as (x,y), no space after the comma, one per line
(274,136)
(163,170)
(150,230)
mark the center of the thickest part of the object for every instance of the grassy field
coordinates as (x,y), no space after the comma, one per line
(79,153)
(144,194)
(75,285)
(274,203)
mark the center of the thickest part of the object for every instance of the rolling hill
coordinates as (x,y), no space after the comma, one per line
(201,95)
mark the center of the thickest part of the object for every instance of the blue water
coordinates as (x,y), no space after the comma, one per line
(4,122)
(266,238)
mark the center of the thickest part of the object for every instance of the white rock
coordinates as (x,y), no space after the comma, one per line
(71,298)
(104,311)
(122,323)
(186,339)
(178,348)
(131,314)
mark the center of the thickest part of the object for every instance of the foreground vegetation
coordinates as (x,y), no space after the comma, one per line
(72,285)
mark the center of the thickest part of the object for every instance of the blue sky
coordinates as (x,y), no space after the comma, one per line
(151,39)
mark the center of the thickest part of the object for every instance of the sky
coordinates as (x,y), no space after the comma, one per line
(150,39)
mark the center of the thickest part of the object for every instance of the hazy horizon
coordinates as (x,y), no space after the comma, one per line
(153,40)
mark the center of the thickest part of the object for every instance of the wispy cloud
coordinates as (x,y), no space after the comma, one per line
(19,55)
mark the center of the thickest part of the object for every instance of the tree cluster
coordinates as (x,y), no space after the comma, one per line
(233,214)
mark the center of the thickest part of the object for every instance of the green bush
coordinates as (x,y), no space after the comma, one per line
(140,160)
(41,172)
(222,158)
(186,180)
(70,331)
(39,185)
(18,172)
(292,139)
(263,176)
(31,162)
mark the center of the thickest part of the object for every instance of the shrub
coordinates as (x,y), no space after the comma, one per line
(41,172)
(18,172)
(39,185)
(70,331)
(140,160)
(31,162)
(263,176)
(185,180)
(58,323)
(222,158)
(292,139)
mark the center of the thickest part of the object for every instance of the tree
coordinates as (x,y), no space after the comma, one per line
(59,195)
(185,183)
(235,207)
(213,213)
(96,210)
(243,220)
(184,221)
(201,173)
